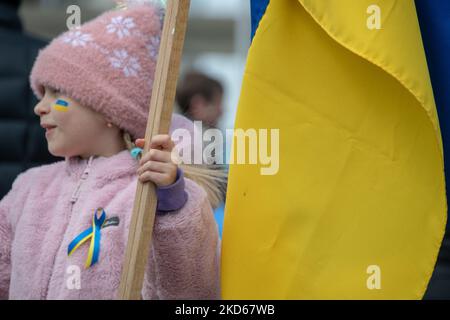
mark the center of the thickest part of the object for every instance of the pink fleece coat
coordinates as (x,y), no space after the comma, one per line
(39,218)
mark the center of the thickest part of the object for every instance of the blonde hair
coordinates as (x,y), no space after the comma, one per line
(212,178)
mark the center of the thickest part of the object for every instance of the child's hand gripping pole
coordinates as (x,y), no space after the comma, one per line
(160,113)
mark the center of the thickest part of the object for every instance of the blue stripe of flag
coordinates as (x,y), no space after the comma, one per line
(62,103)
(258,8)
(434,18)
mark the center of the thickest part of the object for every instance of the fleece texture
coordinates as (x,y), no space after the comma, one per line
(38,221)
(45,210)
(107,64)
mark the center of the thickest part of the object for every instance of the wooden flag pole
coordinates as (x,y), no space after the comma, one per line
(160,114)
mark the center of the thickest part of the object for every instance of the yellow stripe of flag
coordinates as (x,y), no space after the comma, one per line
(360,183)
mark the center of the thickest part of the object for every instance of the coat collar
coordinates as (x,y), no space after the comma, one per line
(105,169)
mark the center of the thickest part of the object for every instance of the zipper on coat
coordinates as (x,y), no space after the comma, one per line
(74,198)
(84,176)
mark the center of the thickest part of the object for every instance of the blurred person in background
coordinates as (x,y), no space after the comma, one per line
(23,143)
(199,98)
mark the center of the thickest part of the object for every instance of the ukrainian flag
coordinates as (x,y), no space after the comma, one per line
(358,207)
(61,105)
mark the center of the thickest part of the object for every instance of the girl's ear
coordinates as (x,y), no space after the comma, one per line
(105,120)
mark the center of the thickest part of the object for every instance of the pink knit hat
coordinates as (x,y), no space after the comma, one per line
(107,64)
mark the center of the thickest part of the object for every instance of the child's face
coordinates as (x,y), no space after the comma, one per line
(71,129)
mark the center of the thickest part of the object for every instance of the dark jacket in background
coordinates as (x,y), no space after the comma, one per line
(434,18)
(22,144)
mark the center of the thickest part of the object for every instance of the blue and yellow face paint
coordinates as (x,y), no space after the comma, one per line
(92,233)
(61,105)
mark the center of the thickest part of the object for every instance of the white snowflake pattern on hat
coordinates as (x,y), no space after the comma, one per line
(129,65)
(120,26)
(77,38)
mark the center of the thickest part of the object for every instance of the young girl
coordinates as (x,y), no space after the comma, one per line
(95,85)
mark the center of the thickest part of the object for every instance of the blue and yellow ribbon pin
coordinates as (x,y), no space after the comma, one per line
(92,233)
(61,105)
